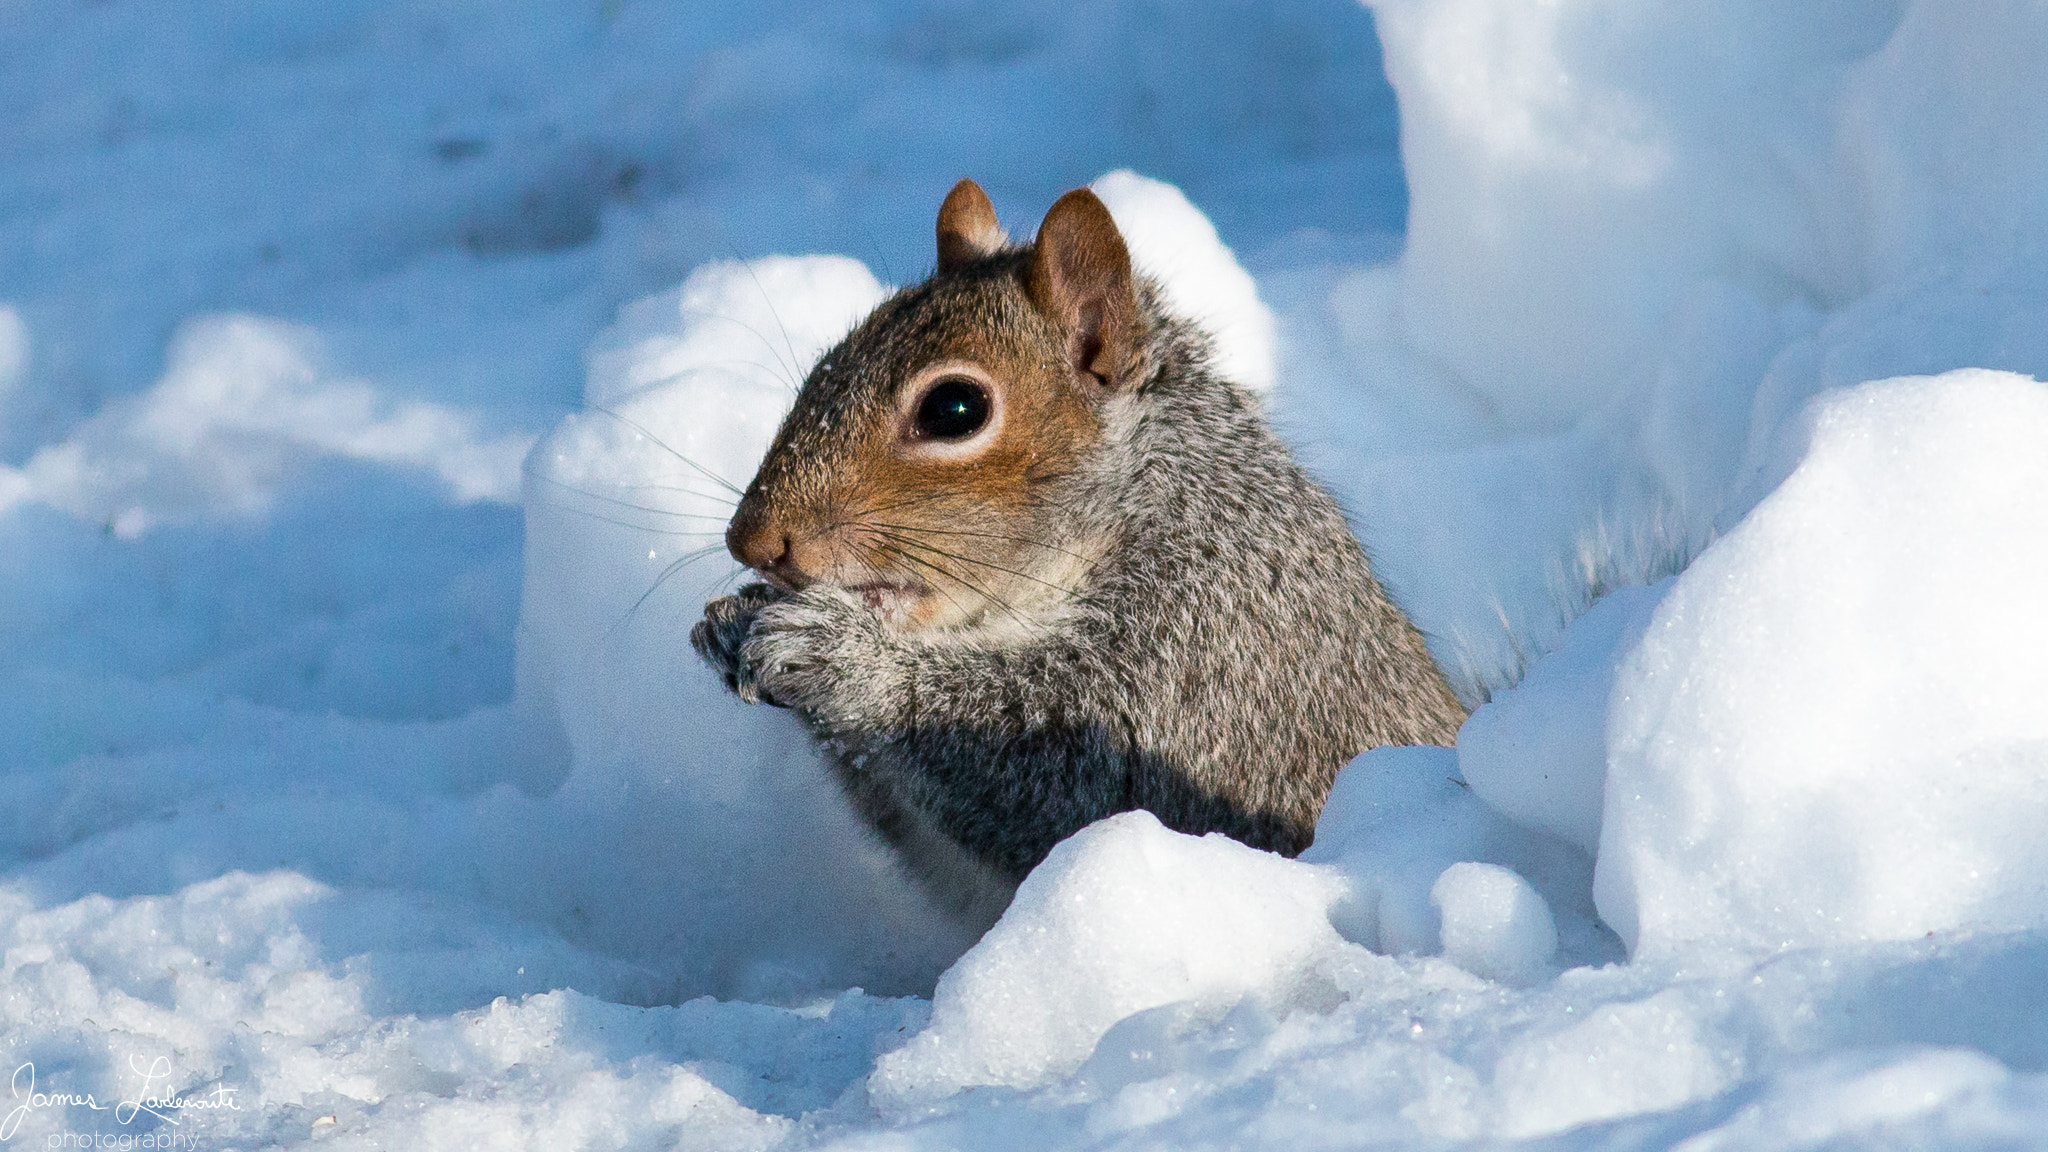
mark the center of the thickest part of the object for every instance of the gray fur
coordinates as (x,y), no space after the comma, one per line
(1229,652)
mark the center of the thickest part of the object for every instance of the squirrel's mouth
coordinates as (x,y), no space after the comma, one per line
(892,599)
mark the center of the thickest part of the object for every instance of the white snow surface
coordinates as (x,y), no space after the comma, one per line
(1832,730)
(1494,923)
(1675,361)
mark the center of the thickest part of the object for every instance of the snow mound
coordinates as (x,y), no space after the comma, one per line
(761,324)
(243,404)
(1494,924)
(1638,242)
(726,804)
(1833,730)
(1398,819)
(1122,917)
(1538,754)
(1171,240)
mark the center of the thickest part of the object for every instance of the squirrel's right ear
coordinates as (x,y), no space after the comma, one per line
(968,229)
(1080,279)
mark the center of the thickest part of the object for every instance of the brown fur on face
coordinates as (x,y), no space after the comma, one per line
(937,535)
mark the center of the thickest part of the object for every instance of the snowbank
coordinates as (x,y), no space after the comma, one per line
(243,404)
(722,812)
(1124,916)
(1833,730)
(1639,240)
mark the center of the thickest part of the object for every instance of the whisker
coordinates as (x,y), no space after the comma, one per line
(716,497)
(965,583)
(914,560)
(859,518)
(681,562)
(589,495)
(781,372)
(977,589)
(781,369)
(714,477)
(966,559)
(776,314)
(982,535)
(588,514)
(725,583)
(795,366)
(875,247)
(923,498)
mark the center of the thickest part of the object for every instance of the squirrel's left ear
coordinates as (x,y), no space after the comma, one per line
(968,229)
(1080,279)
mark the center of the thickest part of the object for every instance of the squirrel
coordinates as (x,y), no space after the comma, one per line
(1027,562)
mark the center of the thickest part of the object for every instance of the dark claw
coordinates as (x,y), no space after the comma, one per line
(756,596)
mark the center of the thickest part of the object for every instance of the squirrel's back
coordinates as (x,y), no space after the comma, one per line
(1246,609)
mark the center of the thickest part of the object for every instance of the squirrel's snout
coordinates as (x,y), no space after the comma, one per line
(756,540)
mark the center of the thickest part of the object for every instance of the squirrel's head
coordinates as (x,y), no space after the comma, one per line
(933,460)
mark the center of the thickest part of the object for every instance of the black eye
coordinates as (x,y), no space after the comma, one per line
(953,410)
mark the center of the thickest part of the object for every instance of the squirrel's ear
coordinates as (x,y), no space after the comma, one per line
(967,227)
(1080,279)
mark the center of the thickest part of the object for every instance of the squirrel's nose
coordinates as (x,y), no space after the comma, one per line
(757,541)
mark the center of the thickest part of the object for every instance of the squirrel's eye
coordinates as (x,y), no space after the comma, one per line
(954,409)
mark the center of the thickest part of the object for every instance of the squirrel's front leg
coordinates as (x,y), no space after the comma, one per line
(825,654)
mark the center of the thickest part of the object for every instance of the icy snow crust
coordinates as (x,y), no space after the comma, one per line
(373,376)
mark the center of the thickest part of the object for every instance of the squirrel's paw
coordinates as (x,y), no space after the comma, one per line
(820,651)
(719,635)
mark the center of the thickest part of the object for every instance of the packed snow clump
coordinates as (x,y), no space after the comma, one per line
(1832,731)
(1493,923)
(626,510)
(1122,917)
(1538,754)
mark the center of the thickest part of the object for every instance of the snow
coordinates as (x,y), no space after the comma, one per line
(1122,918)
(1171,241)
(372,376)
(1494,923)
(1832,730)
(1538,754)
(241,400)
